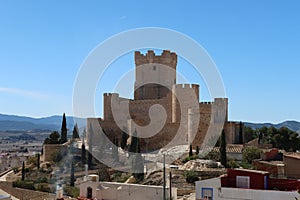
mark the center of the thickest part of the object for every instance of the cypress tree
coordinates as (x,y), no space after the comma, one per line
(72,177)
(197,150)
(75,132)
(90,159)
(138,163)
(38,161)
(23,171)
(223,149)
(115,153)
(90,146)
(138,145)
(83,159)
(133,144)
(191,150)
(64,130)
(124,140)
(241,133)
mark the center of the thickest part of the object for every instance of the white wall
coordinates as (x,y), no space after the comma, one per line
(121,191)
(241,194)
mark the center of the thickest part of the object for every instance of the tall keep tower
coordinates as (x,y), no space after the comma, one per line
(155,75)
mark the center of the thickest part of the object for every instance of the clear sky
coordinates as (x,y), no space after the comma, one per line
(255,45)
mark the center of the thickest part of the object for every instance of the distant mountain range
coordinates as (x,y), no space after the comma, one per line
(292,125)
(52,123)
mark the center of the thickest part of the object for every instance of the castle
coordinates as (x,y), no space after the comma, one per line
(162,110)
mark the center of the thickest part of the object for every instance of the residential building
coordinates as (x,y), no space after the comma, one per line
(243,184)
(291,165)
(91,188)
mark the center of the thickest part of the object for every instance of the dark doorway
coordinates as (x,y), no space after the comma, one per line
(89,193)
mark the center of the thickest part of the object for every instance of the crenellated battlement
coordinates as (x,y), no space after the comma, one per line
(166,58)
(156,92)
(111,94)
(186,86)
(206,102)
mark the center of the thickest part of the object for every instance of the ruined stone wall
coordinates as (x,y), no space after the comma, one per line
(50,149)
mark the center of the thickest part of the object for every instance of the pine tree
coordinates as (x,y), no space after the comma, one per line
(64,130)
(54,138)
(23,171)
(75,132)
(241,133)
(223,149)
(72,177)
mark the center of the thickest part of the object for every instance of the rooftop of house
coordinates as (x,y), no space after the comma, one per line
(254,179)
(292,155)
(230,148)
(252,171)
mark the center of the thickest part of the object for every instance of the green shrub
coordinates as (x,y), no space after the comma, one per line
(120,177)
(41,180)
(24,184)
(251,153)
(44,187)
(71,191)
(193,157)
(32,160)
(245,165)
(56,156)
(191,176)
(16,170)
(213,155)
(232,163)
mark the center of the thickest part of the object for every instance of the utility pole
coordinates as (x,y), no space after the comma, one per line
(170,174)
(164,177)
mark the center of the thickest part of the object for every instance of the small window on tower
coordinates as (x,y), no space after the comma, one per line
(154,67)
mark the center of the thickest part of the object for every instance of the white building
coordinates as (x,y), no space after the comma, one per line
(242,184)
(91,188)
(5,197)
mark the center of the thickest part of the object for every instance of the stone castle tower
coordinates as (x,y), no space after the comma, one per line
(179,107)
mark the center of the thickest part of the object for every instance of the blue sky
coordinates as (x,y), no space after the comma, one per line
(255,45)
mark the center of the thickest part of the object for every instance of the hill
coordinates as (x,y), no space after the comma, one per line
(23,123)
(292,125)
(51,123)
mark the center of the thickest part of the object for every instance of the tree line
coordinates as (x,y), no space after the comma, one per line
(282,138)
(56,138)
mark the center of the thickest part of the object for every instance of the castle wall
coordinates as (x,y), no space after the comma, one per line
(153,73)
(184,96)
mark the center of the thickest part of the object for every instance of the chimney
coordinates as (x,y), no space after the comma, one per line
(59,192)
(86,170)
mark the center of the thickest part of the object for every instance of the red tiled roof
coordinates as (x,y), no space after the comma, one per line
(231,148)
